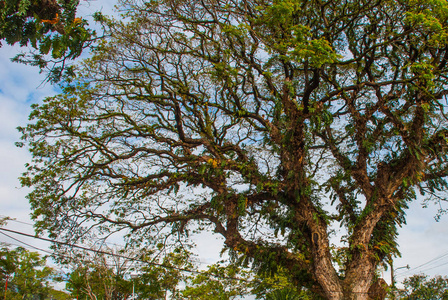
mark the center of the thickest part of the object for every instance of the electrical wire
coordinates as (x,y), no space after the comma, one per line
(126,257)
(444,264)
(30,224)
(120,255)
(429,262)
(29,245)
(53,253)
(14,220)
(102,241)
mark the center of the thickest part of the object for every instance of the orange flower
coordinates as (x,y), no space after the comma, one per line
(213,162)
(53,21)
(77,21)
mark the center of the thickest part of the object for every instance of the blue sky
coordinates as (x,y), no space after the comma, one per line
(421,240)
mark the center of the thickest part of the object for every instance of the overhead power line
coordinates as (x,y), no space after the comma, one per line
(124,256)
(121,256)
(15,220)
(198,261)
(29,245)
(117,255)
(425,266)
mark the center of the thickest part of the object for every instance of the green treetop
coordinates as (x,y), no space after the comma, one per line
(24,275)
(50,27)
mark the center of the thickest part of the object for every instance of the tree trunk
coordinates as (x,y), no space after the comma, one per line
(359,277)
(377,291)
(359,282)
(357,291)
(354,290)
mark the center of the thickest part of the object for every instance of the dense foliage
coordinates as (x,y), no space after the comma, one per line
(120,274)
(268,122)
(423,288)
(48,26)
(24,275)
(217,283)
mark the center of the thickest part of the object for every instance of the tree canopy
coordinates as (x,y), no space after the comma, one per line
(25,275)
(95,275)
(50,27)
(268,122)
(424,288)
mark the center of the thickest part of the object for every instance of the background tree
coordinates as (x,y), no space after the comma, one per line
(286,294)
(27,275)
(163,274)
(423,288)
(97,282)
(151,274)
(280,285)
(264,121)
(226,281)
(96,275)
(217,283)
(48,26)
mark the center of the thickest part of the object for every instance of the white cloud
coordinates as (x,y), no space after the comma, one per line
(19,87)
(422,240)
(209,246)
(86,8)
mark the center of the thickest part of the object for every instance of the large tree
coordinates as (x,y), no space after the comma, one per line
(267,122)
